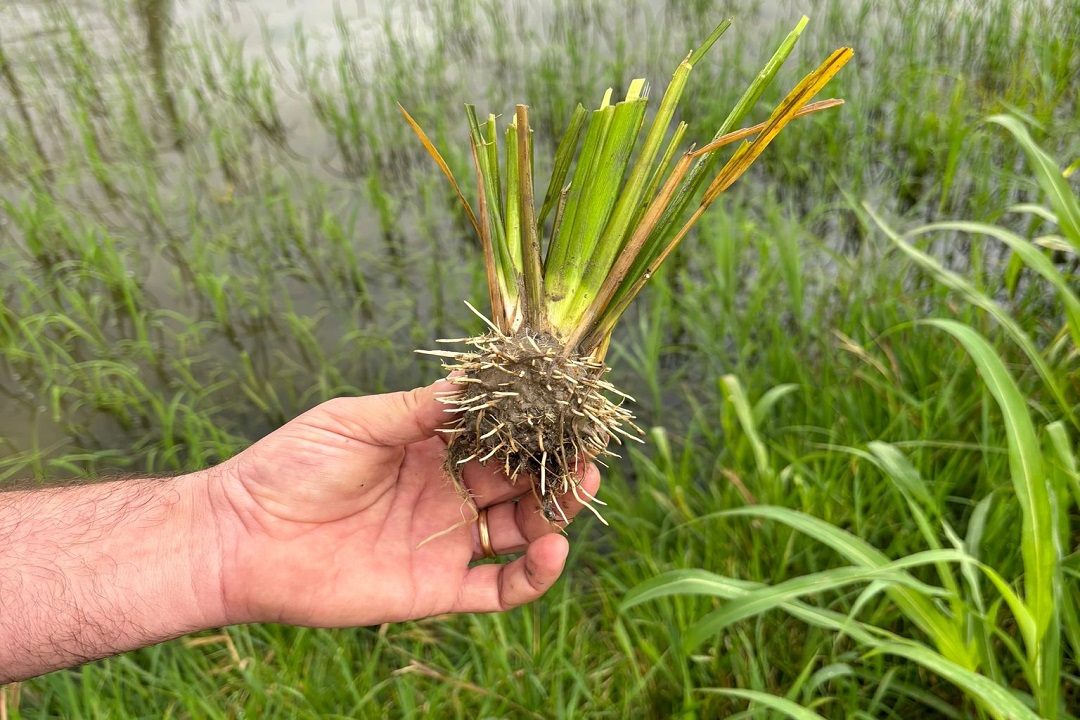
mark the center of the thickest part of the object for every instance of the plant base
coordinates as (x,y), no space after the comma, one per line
(534,410)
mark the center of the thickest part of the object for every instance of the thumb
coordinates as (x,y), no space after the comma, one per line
(398,418)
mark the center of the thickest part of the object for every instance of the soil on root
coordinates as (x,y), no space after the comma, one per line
(532,410)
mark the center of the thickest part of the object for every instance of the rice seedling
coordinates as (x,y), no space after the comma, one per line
(532,396)
(1006,654)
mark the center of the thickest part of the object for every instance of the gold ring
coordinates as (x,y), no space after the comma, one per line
(485,534)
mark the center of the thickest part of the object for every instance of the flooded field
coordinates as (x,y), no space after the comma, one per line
(212,217)
(219,203)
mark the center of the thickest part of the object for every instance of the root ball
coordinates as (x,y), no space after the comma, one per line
(533,410)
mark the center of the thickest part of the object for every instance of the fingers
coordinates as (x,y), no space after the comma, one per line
(493,588)
(392,419)
(489,486)
(513,526)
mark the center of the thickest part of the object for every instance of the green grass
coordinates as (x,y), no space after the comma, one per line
(873,339)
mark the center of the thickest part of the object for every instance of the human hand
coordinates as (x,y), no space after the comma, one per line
(323,522)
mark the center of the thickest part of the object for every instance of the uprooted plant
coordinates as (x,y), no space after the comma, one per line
(532,397)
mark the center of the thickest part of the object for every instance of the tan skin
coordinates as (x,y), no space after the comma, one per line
(342,517)
(348,493)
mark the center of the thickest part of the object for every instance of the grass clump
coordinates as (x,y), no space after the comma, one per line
(533,399)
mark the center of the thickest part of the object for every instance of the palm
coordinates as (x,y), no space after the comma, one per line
(350,520)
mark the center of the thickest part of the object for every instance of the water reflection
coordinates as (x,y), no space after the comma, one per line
(15,90)
(155,16)
(245,214)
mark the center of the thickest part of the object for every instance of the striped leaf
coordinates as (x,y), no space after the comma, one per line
(770,597)
(979,299)
(1029,478)
(1062,198)
(996,699)
(773,702)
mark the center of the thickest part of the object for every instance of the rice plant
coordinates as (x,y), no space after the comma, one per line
(533,399)
(980,644)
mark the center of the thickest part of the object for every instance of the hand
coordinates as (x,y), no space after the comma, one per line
(323,522)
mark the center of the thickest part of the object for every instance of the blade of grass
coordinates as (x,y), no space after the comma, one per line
(500,302)
(438,158)
(659,172)
(594,327)
(975,297)
(1028,476)
(485,151)
(703,582)
(769,597)
(512,211)
(733,393)
(640,272)
(590,333)
(742,108)
(555,283)
(896,466)
(1031,256)
(564,156)
(995,698)
(945,633)
(773,702)
(598,202)
(616,231)
(532,266)
(784,113)
(1062,198)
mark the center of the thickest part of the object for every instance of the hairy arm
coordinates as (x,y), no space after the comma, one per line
(342,517)
(93,570)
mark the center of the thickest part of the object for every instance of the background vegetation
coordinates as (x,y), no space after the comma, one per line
(199,238)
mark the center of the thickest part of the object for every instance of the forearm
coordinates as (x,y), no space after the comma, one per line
(93,570)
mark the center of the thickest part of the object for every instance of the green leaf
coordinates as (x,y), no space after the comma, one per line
(1059,438)
(1031,256)
(956,282)
(659,172)
(773,702)
(703,167)
(616,231)
(763,407)
(1028,476)
(738,113)
(907,479)
(945,633)
(657,246)
(512,211)
(493,229)
(1053,182)
(767,598)
(555,281)
(684,582)
(564,156)
(895,464)
(600,206)
(734,394)
(532,266)
(702,582)
(996,699)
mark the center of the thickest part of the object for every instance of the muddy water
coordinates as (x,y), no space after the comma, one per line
(639,34)
(29,30)
(267,29)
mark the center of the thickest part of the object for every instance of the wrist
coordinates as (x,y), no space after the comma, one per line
(206,527)
(224,508)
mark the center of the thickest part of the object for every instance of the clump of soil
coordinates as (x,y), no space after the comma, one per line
(533,410)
